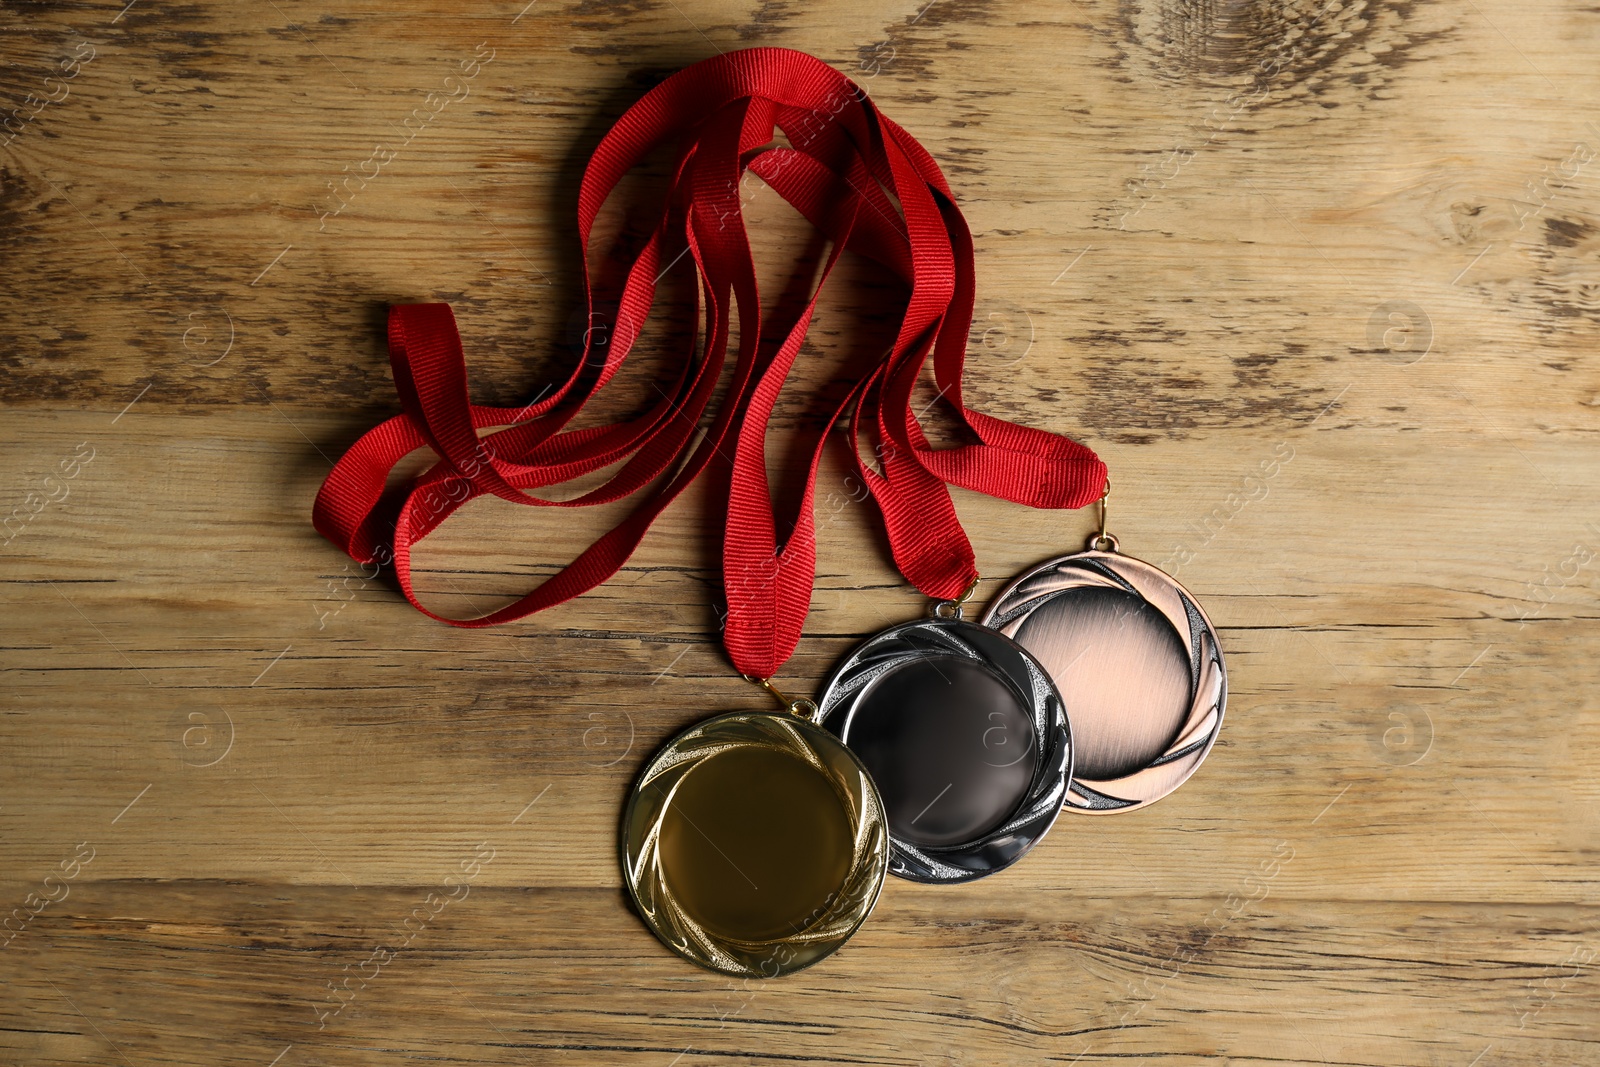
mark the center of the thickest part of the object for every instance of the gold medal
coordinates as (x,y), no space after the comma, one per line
(755,843)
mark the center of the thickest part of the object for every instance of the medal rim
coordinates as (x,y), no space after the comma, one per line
(1114,554)
(966,862)
(871,823)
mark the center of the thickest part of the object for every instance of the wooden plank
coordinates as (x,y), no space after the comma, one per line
(1319,281)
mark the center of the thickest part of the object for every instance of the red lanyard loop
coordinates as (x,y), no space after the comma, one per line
(869,187)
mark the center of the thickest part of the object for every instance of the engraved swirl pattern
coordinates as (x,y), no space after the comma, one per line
(900,645)
(1194,735)
(652,890)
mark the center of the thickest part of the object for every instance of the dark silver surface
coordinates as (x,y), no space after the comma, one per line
(1137,665)
(965,737)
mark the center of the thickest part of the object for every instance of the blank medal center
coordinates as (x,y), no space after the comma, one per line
(755,844)
(950,746)
(1122,673)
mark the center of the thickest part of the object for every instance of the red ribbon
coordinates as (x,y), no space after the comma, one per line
(868,186)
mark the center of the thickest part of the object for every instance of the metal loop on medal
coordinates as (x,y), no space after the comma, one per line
(953,609)
(806,709)
(1103,542)
(1100,541)
(800,706)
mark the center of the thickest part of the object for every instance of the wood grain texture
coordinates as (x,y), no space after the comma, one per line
(1321,281)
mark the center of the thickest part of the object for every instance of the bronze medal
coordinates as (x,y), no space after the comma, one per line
(754,843)
(1137,664)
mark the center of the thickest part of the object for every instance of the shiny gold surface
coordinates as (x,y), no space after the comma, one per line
(754,844)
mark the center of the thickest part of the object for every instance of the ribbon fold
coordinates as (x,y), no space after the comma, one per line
(869,187)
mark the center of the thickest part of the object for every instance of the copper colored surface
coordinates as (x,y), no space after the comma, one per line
(1125,670)
(1138,667)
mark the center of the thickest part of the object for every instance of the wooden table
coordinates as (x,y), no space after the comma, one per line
(1321,281)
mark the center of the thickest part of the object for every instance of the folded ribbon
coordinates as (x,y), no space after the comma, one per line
(869,187)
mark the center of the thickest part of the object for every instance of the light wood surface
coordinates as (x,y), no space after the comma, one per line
(1359,239)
